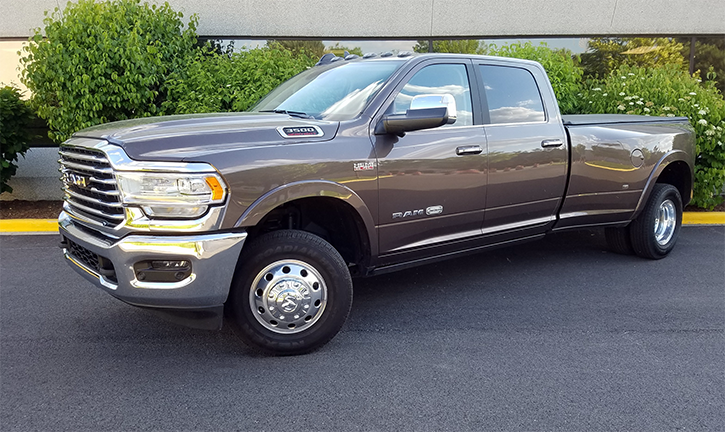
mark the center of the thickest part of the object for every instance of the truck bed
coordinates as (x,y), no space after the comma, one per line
(613,157)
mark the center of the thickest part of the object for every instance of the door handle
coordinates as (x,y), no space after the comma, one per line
(468,150)
(551,143)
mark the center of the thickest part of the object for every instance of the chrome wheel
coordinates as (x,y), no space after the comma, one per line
(665,222)
(288,296)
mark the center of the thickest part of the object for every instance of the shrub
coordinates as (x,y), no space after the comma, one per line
(104,61)
(15,118)
(215,82)
(669,91)
(561,66)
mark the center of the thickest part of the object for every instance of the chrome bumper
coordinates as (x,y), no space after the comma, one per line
(213,258)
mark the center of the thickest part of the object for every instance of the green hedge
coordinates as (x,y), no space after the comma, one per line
(668,91)
(15,119)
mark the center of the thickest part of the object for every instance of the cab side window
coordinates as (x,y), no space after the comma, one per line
(439,79)
(512,95)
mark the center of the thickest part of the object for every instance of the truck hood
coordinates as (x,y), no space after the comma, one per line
(192,136)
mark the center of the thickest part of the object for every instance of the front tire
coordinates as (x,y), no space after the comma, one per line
(654,232)
(291,294)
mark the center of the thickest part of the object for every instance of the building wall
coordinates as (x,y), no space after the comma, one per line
(420,18)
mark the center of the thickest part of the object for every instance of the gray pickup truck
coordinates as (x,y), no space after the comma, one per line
(356,167)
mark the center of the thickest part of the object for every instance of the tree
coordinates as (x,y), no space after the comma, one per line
(709,53)
(460,46)
(220,82)
(104,61)
(607,54)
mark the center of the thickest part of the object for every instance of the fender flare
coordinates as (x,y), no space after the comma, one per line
(309,189)
(665,160)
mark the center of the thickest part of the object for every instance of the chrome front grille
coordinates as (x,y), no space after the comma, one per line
(89,185)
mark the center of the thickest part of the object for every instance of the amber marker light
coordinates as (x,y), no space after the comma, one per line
(217,191)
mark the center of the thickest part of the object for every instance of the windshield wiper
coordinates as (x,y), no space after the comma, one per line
(299,114)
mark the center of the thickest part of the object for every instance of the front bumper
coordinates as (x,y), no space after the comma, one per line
(109,263)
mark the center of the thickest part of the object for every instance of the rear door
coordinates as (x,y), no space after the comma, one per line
(432,182)
(527,143)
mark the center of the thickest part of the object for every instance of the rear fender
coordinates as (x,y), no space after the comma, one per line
(667,159)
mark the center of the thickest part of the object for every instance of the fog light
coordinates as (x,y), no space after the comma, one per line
(162,270)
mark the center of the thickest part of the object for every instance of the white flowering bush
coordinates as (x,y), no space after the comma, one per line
(668,91)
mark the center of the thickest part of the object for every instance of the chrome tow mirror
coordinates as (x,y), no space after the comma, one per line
(426,111)
(427,101)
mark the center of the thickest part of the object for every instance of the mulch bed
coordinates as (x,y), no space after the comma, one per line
(719,208)
(30,209)
(50,209)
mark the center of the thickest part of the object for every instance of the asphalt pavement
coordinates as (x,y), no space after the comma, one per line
(557,334)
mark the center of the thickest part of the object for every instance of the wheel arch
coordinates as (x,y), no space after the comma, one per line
(673,168)
(317,194)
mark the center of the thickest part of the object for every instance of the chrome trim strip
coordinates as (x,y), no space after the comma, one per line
(594,213)
(105,234)
(115,193)
(94,211)
(474,233)
(518,225)
(82,156)
(103,181)
(72,165)
(522,204)
(93,200)
(439,239)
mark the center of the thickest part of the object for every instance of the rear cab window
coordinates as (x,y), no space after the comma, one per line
(512,95)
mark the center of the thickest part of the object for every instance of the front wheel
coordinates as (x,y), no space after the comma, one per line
(654,232)
(291,294)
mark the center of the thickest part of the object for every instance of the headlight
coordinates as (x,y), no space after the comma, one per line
(170,195)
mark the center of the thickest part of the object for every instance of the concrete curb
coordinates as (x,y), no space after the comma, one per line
(50,226)
(28,226)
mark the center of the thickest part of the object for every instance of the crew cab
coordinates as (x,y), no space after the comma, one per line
(356,167)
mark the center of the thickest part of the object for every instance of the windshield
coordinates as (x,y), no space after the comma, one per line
(333,92)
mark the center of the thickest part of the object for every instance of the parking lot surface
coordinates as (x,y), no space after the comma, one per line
(557,334)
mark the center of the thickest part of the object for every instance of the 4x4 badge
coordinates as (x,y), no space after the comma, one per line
(364,166)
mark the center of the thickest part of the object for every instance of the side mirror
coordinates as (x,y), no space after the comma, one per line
(436,101)
(426,111)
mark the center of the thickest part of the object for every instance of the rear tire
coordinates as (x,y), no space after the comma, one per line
(291,294)
(654,232)
(619,240)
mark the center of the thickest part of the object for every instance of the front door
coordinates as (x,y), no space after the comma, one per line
(432,182)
